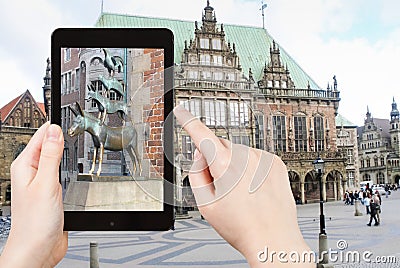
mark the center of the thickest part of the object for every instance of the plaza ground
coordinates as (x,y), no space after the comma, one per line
(195,244)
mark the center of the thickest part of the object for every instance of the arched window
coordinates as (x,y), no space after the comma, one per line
(27,112)
(319,133)
(18,118)
(36,119)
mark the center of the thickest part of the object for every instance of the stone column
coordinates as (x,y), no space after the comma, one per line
(303,196)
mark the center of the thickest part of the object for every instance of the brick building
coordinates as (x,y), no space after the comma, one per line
(246,88)
(19,119)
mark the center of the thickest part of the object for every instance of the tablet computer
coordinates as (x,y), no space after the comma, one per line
(111,93)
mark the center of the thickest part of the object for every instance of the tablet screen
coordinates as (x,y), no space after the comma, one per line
(112,116)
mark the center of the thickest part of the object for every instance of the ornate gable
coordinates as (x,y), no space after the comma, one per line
(23,111)
(276,75)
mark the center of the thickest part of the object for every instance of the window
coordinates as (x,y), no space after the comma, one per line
(193,106)
(368,162)
(276,84)
(382,161)
(187,147)
(239,113)
(241,139)
(362,163)
(77,79)
(376,162)
(218,76)
(206,75)
(380,178)
(279,133)
(18,118)
(204,43)
(259,135)
(300,134)
(319,133)
(193,74)
(205,59)
(69,82)
(75,159)
(98,86)
(283,84)
(350,156)
(67,54)
(36,119)
(230,76)
(209,112)
(216,44)
(269,83)
(217,60)
(65,159)
(215,112)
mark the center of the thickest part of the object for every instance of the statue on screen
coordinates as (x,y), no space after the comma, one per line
(104,136)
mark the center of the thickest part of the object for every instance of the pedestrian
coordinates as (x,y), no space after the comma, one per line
(367,202)
(378,201)
(351,195)
(387,190)
(373,214)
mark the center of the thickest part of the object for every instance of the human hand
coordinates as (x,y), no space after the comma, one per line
(245,194)
(36,237)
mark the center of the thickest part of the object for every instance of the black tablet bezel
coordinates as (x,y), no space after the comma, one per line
(123,38)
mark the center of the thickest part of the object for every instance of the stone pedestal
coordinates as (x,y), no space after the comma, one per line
(357,205)
(113,193)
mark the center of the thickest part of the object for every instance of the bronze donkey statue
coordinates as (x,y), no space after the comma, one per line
(105,137)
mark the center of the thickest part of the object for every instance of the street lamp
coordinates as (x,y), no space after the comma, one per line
(323,238)
(319,168)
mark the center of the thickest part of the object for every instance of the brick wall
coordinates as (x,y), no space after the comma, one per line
(153,113)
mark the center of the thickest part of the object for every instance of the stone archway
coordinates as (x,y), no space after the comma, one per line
(333,182)
(311,187)
(397,179)
(295,185)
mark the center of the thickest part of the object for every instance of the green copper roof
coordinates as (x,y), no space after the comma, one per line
(342,121)
(252,43)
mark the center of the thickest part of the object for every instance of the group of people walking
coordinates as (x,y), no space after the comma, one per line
(371,200)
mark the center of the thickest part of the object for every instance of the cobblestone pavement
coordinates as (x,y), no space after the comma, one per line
(195,244)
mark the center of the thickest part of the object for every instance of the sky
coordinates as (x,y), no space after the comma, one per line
(356,40)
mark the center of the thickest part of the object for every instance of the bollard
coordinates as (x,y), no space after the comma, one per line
(94,256)
(323,250)
(357,207)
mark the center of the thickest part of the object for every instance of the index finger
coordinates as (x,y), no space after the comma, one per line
(204,139)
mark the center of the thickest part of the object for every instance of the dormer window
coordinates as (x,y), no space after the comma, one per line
(216,44)
(204,43)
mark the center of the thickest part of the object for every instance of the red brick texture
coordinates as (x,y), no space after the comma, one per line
(153,114)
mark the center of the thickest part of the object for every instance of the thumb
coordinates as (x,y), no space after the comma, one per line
(50,156)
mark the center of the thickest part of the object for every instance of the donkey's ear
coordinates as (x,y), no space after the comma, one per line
(73,110)
(79,108)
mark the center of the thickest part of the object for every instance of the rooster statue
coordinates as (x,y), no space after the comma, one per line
(112,63)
